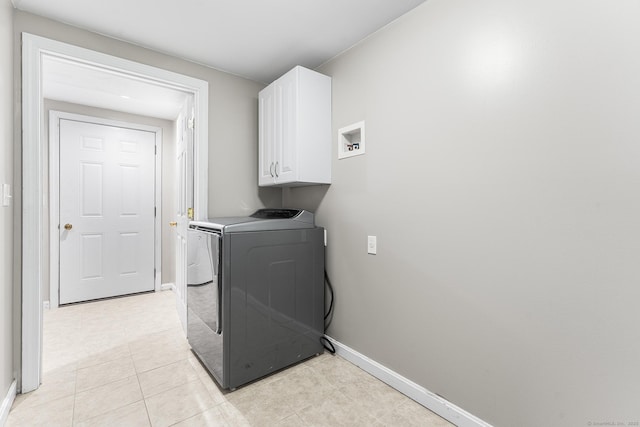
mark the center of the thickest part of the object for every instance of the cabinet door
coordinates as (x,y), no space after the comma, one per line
(266,135)
(286,128)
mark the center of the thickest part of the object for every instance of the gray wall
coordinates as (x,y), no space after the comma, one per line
(502,179)
(6,213)
(168,208)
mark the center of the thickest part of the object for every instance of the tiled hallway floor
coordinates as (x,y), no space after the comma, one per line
(125,362)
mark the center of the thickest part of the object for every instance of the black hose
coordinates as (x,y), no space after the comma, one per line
(330,348)
(330,311)
(328,315)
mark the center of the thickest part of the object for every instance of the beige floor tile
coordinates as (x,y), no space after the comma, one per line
(337,410)
(412,414)
(321,359)
(149,325)
(232,415)
(292,421)
(62,336)
(55,385)
(300,386)
(56,413)
(105,373)
(96,342)
(60,360)
(66,315)
(178,404)
(173,337)
(107,355)
(260,406)
(96,322)
(372,395)
(256,390)
(197,366)
(156,358)
(213,417)
(217,394)
(134,415)
(106,398)
(336,370)
(105,320)
(166,377)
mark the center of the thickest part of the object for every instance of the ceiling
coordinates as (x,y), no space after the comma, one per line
(256,39)
(74,82)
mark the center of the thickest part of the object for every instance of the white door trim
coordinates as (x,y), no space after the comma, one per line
(34,48)
(5,405)
(54,195)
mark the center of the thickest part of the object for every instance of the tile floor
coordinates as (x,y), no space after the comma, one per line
(125,362)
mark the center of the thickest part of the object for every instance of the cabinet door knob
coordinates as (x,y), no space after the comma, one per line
(277,170)
(173,223)
(271,169)
(68,226)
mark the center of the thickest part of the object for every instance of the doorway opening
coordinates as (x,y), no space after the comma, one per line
(35,50)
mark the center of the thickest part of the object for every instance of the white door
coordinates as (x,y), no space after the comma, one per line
(185,205)
(107,210)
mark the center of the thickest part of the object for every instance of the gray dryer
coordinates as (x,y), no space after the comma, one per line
(255,295)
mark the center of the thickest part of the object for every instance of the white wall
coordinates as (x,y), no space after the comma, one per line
(6,213)
(502,179)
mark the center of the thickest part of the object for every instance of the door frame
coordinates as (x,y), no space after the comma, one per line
(34,48)
(54,195)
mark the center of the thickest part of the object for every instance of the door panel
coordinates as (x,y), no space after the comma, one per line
(287,134)
(107,198)
(128,262)
(91,256)
(129,190)
(91,193)
(267,137)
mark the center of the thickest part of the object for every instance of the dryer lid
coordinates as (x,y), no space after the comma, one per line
(261,220)
(276,213)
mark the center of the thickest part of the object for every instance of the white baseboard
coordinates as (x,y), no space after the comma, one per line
(429,400)
(6,403)
(167,287)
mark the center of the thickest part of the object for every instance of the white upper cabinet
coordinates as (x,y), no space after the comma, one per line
(295,130)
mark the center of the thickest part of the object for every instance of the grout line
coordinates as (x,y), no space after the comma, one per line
(75,393)
(144,400)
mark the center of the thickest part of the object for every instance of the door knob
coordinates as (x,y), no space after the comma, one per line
(68,226)
(173,223)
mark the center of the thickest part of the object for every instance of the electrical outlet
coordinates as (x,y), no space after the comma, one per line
(372,245)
